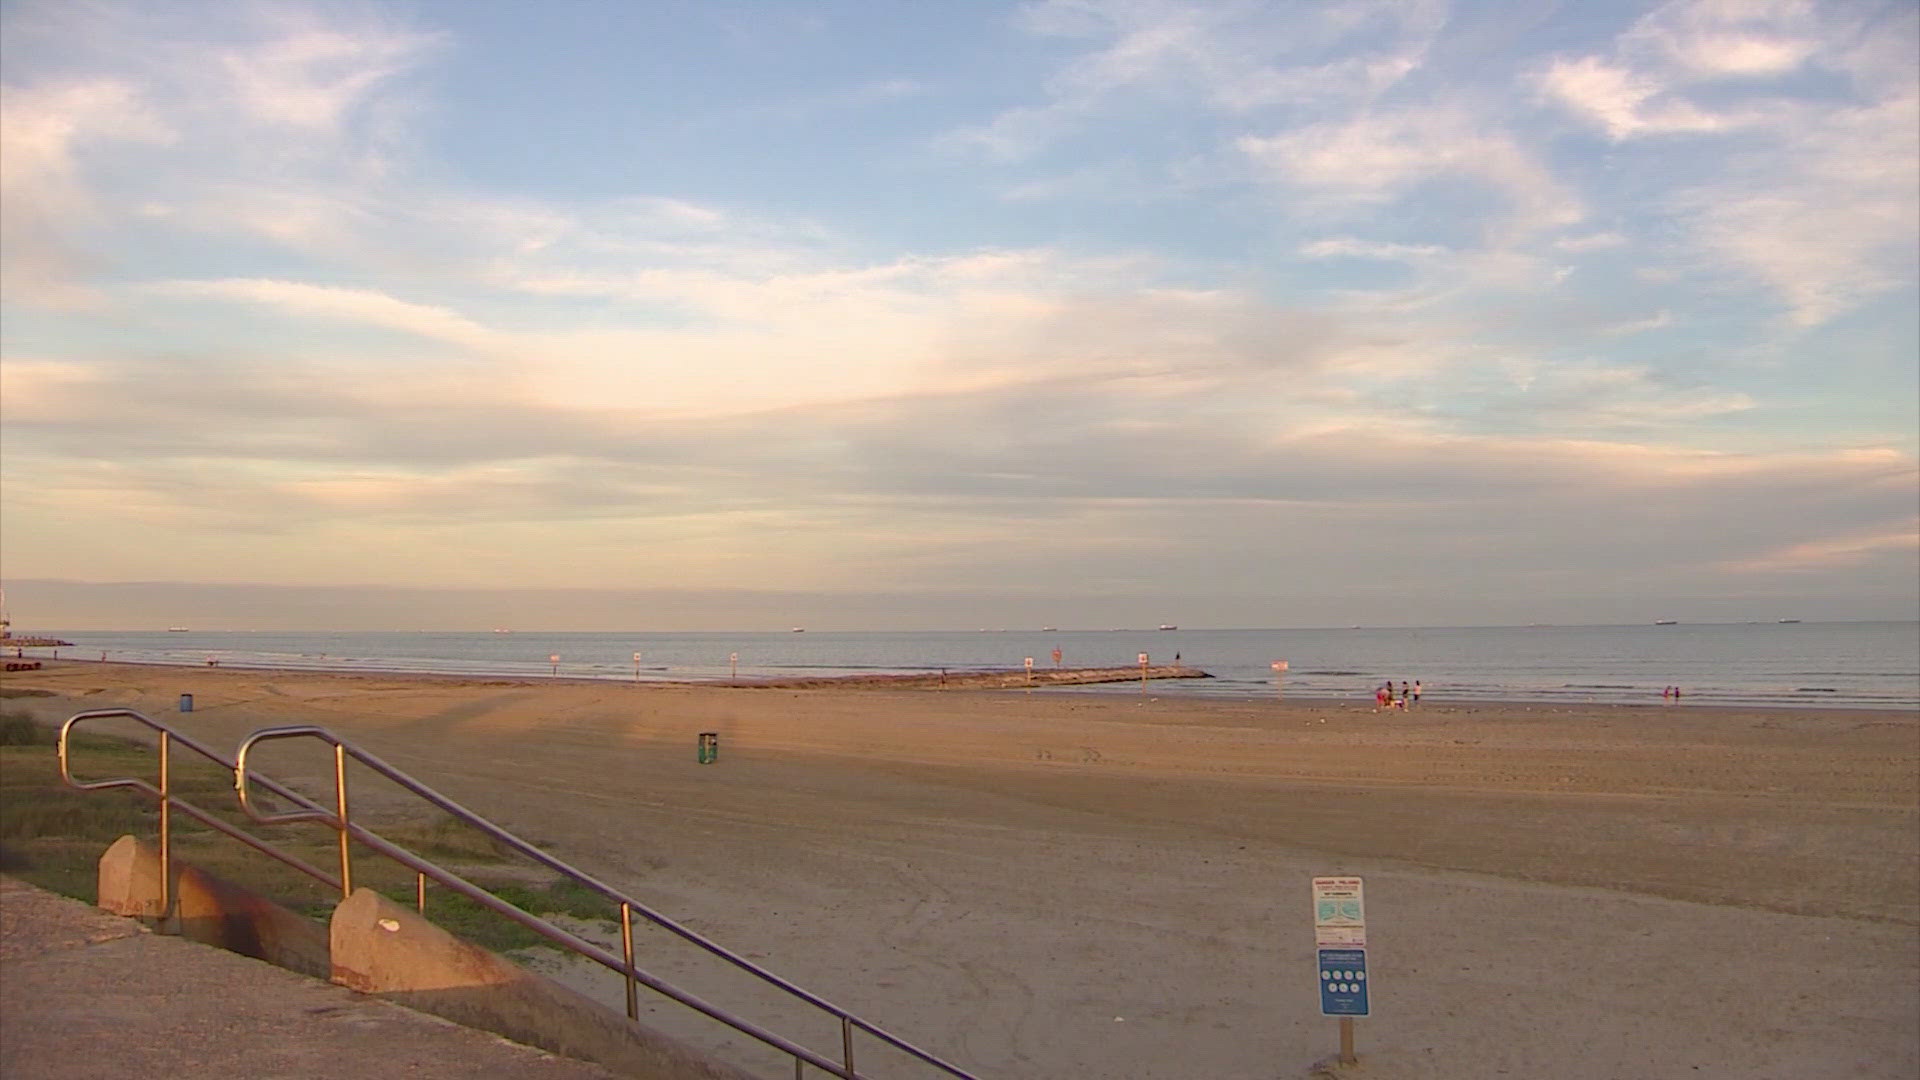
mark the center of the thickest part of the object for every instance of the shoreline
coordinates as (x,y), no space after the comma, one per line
(984,680)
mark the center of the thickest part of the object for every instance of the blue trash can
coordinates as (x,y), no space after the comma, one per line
(186,702)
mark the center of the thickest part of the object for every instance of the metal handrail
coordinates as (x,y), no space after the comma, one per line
(340,820)
(167,801)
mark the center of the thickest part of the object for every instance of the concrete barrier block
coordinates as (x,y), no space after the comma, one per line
(382,948)
(210,910)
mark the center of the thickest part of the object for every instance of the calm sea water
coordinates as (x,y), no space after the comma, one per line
(1844,665)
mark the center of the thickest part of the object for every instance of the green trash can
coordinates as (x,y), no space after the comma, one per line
(186,702)
(709,747)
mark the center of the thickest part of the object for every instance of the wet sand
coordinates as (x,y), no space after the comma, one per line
(1115,885)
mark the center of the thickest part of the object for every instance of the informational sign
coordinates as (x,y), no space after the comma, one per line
(1279,665)
(1339,913)
(1143,659)
(1343,982)
(1029,663)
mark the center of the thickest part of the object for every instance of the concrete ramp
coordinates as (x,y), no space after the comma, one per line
(390,951)
(210,910)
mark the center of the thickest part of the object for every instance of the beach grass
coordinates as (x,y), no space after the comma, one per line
(53,835)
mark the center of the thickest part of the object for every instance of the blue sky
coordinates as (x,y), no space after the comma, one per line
(901,315)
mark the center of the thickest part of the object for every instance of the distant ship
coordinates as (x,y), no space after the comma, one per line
(501,630)
(176,629)
(799,629)
(1789,620)
(1666,622)
(1049,629)
(1168,626)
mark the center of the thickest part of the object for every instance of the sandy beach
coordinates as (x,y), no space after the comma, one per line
(1116,885)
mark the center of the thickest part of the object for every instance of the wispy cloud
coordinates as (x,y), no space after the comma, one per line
(354,305)
(1232,59)
(1378,158)
(46,206)
(1352,247)
(1821,205)
(1848,549)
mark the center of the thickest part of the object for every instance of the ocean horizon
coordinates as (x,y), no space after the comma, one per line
(1799,664)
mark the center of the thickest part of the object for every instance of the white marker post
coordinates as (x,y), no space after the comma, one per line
(733,666)
(1340,940)
(1279,676)
(1029,674)
(555,661)
(1143,673)
(636,667)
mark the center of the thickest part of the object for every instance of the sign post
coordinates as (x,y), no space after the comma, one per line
(1029,674)
(1056,656)
(555,661)
(1280,675)
(1340,938)
(1143,673)
(636,667)
(733,666)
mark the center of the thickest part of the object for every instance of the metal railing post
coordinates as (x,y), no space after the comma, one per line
(626,952)
(166,826)
(846,1044)
(420,892)
(340,808)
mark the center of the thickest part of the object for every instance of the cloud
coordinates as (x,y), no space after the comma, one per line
(1600,241)
(1848,549)
(1658,321)
(310,76)
(1351,247)
(1685,47)
(1816,199)
(1627,103)
(1227,59)
(353,305)
(1829,220)
(1717,39)
(46,206)
(1382,157)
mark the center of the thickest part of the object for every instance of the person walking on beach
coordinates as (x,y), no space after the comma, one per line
(1383,695)
(1416,691)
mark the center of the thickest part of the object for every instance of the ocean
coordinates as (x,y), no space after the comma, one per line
(1826,665)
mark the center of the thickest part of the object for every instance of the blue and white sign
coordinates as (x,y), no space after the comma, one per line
(1343,982)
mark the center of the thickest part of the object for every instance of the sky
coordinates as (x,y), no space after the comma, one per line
(723,315)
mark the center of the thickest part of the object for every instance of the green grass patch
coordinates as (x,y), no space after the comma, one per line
(20,729)
(53,836)
(467,919)
(446,839)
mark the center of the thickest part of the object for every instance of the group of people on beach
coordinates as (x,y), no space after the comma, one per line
(1670,693)
(1409,695)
